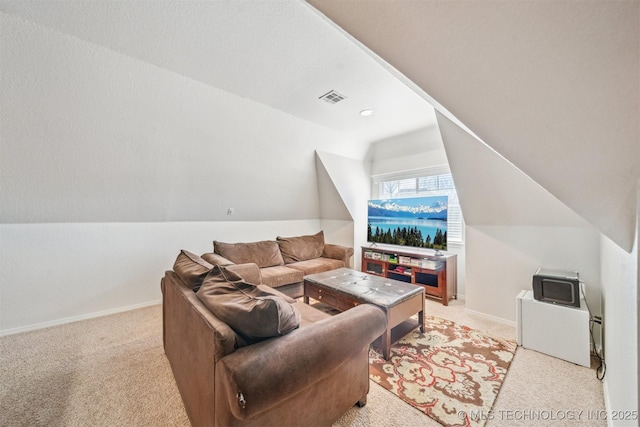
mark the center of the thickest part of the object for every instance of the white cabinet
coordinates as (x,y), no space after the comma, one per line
(553,329)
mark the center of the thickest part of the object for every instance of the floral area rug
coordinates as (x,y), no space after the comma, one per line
(450,372)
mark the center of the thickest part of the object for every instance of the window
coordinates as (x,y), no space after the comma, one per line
(426,182)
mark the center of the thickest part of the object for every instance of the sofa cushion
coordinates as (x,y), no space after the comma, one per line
(310,315)
(191,269)
(280,275)
(215,259)
(253,312)
(250,272)
(301,248)
(265,253)
(316,265)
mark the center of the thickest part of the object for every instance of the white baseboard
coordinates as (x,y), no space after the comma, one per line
(607,402)
(493,318)
(76,318)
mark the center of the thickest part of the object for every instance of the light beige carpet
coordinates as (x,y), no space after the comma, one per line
(108,371)
(111,371)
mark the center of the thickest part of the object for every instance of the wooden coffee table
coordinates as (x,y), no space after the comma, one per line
(345,288)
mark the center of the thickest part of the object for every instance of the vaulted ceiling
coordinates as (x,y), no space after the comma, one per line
(549,89)
(552,89)
(278,53)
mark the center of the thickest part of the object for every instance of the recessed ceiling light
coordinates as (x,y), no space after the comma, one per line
(366,113)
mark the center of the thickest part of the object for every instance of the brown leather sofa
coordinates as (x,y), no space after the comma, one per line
(284,261)
(310,376)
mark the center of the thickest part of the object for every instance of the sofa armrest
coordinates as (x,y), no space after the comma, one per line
(342,253)
(257,377)
(215,259)
(194,339)
(250,272)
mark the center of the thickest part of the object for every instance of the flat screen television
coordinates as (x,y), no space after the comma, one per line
(417,221)
(557,287)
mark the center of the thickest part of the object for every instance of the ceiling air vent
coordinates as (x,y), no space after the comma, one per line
(332,97)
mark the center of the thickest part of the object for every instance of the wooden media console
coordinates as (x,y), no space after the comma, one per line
(437,274)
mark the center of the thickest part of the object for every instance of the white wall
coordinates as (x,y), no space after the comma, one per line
(52,273)
(90,135)
(501,261)
(620,312)
(109,166)
(415,150)
(351,182)
(339,233)
(513,226)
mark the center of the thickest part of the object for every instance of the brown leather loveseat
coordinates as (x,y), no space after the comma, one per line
(307,376)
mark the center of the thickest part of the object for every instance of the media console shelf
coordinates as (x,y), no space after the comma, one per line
(437,274)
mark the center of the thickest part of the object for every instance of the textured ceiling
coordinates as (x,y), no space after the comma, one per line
(282,53)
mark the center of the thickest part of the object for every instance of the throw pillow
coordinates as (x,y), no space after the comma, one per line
(191,269)
(301,248)
(265,253)
(251,312)
(272,291)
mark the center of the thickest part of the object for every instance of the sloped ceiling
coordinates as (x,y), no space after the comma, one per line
(277,53)
(170,110)
(552,87)
(493,192)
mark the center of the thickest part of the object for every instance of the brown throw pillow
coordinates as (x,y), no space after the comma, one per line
(250,311)
(191,269)
(301,248)
(265,253)
(272,291)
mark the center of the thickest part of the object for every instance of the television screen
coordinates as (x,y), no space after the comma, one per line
(418,221)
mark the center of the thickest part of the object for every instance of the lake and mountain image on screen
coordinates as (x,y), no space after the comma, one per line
(418,221)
